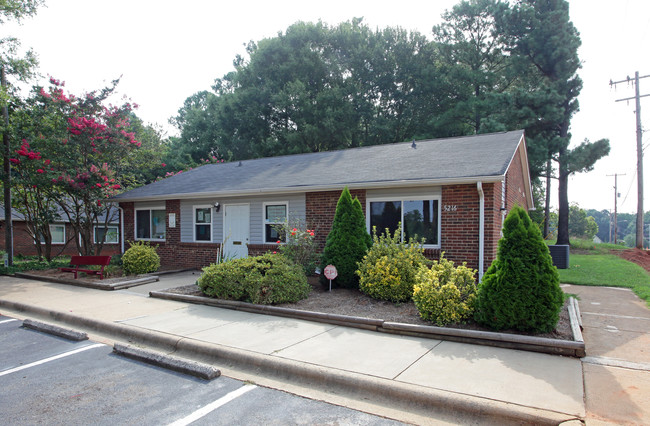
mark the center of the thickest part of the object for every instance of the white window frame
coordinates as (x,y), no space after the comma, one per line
(117,233)
(266,222)
(194,222)
(135,223)
(402,200)
(54,225)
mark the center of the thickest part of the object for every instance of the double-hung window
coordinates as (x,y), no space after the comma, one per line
(150,224)
(418,217)
(109,234)
(202,223)
(275,215)
(57,232)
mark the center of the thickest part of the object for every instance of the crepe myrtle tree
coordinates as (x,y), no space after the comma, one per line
(73,155)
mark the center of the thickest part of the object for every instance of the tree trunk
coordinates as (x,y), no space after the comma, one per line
(547,203)
(563,199)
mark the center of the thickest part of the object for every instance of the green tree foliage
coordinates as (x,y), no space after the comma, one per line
(347,242)
(581,225)
(314,88)
(521,289)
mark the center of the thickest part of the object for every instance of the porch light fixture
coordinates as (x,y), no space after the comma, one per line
(217,206)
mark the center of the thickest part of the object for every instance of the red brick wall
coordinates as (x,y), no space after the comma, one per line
(515,187)
(459,218)
(320,209)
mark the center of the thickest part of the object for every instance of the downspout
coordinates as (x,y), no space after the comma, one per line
(481,229)
(121,230)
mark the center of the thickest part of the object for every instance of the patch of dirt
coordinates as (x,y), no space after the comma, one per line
(635,255)
(354,303)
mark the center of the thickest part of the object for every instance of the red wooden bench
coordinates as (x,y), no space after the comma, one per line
(77,261)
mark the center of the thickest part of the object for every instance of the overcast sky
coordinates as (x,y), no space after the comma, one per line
(167,50)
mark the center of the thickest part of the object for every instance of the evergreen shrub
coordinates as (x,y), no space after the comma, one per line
(267,279)
(445,294)
(347,242)
(521,289)
(388,271)
(140,258)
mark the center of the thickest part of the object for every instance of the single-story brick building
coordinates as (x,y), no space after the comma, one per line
(454,192)
(63,236)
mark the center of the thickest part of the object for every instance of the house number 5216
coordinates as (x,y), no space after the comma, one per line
(449,208)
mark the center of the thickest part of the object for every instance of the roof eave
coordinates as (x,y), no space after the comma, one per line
(316,188)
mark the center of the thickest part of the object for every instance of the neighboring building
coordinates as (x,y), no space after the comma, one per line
(455,192)
(62,233)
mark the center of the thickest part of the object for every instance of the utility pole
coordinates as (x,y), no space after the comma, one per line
(616,175)
(639,153)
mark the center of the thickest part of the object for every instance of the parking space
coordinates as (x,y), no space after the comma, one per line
(48,380)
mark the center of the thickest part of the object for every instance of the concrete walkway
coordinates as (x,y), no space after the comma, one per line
(412,379)
(617,366)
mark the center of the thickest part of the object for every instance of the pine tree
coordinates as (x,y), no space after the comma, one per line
(521,289)
(347,242)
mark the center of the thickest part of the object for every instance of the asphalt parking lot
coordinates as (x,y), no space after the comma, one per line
(50,380)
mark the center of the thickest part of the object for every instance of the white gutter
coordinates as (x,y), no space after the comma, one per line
(481,229)
(121,230)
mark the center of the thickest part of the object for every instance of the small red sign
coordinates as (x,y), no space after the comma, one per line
(330,272)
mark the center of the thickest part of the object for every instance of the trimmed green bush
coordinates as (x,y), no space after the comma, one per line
(140,258)
(267,279)
(388,271)
(521,289)
(445,294)
(347,242)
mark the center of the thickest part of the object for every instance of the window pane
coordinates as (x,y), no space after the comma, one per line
(143,224)
(203,215)
(203,233)
(272,234)
(58,234)
(385,214)
(111,234)
(276,214)
(158,224)
(421,220)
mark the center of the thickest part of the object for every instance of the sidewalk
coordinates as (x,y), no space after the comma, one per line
(412,379)
(617,366)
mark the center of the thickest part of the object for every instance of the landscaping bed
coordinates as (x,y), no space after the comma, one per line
(353,303)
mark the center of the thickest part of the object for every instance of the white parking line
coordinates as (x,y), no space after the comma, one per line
(52,358)
(213,406)
(9,320)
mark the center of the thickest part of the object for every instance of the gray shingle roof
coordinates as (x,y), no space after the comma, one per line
(439,160)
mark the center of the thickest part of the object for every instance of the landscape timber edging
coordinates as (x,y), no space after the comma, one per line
(574,348)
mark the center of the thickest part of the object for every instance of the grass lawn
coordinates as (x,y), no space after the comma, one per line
(599,269)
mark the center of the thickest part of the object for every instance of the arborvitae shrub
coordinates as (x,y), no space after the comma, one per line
(347,242)
(445,294)
(140,258)
(521,289)
(267,279)
(388,271)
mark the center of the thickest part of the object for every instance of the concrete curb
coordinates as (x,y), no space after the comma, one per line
(185,366)
(55,330)
(457,408)
(97,285)
(575,348)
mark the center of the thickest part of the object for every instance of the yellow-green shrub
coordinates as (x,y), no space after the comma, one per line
(388,270)
(445,294)
(140,258)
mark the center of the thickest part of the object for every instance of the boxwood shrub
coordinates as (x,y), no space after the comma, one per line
(445,294)
(267,279)
(388,271)
(140,258)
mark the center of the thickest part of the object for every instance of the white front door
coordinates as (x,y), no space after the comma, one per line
(236,230)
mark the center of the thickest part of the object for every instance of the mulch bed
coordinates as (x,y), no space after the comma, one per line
(635,255)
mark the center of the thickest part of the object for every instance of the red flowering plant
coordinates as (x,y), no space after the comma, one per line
(297,244)
(79,155)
